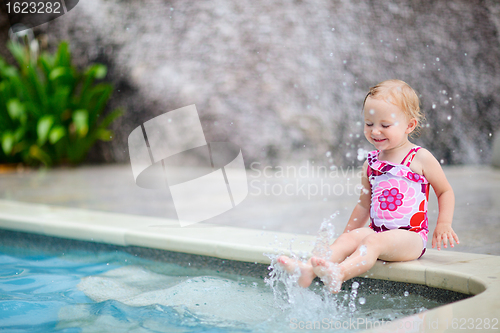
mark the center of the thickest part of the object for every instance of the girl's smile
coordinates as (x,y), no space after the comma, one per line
(386,126)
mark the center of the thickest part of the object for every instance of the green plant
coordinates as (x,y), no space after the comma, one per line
(50,113)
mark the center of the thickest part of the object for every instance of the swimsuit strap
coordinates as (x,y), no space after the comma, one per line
(410,156)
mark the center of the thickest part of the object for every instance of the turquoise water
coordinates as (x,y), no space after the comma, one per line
(40,293)
(109,290)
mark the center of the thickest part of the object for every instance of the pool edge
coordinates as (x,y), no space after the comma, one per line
(468,273)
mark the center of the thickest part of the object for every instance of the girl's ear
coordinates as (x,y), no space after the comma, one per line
(412,123)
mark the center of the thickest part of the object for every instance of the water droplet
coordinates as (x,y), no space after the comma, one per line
(433,106)
(371,111)
(362,300)
(355,285)
(328,154)
(363,251)
(449,117)
(333,29)
(406,294)
(437,59)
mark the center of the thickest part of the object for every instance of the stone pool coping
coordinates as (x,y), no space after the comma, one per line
(474,274)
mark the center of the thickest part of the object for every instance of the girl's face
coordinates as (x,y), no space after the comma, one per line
(386,126)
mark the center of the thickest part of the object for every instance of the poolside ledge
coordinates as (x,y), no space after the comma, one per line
(468,273)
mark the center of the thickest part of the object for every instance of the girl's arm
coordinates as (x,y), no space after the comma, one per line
(361,211)
(432,170)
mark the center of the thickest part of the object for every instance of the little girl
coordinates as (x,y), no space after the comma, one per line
(396,180)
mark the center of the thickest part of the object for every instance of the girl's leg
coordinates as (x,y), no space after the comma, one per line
(342,247)
(347,243)
(392,245)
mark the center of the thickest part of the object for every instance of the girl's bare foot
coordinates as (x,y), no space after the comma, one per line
(306,270)
(329,272)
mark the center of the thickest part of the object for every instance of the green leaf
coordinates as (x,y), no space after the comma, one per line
(9,72)
(38,154)
(60,100)
(7,142)
(110,118)
(63,56)
(19,134)
(15,108)
(104,134)
(19,53)
(81,121)
(100,71)
(46,62)
(43,128)
(39,86)
(58,72)
(96,71)
(56,134)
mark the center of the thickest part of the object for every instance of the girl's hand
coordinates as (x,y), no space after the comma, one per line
(444,233)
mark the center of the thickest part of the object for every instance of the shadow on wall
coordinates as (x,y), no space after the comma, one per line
(285,80)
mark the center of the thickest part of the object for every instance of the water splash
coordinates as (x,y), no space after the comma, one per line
(310,303)
(354,294)
(304,304)
(326,234)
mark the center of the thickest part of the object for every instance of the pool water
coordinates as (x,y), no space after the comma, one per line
(106,288)
(117,291)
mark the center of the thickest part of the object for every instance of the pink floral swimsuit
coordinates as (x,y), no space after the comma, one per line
(399,196)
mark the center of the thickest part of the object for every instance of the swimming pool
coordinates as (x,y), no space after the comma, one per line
(467,273)
(51,284)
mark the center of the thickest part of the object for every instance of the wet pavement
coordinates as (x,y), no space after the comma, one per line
(289,200)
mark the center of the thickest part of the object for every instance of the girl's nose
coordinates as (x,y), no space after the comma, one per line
(376,131)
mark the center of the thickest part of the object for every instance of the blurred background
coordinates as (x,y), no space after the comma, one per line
(283,80)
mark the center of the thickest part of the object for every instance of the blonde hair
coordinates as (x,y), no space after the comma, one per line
(399,93)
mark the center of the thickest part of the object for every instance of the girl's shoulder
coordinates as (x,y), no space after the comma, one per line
(423,154)
(422,158)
